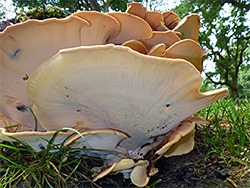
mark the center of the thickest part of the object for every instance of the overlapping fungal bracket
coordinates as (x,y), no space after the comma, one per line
(128,82)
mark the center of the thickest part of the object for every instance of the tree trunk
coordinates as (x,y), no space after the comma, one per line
(94,5)
(235,89)
(235,94)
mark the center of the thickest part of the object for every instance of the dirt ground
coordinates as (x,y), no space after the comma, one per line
(190,170)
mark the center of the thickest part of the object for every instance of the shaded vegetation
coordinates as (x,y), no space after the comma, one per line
(76,5)
(41,14)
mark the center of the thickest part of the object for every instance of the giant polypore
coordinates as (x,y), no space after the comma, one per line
(128,83)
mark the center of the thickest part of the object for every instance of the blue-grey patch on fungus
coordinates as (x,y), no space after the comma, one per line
(16,53)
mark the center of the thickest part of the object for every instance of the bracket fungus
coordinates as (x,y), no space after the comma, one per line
(130,92)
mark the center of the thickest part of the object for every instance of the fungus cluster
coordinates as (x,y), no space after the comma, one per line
(129,82)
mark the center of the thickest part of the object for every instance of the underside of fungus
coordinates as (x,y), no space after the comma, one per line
(127,83)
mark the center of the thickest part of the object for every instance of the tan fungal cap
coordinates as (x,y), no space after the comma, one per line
(181,138)
(136,9)
(129,163)
(102,27)
(136,45)
(157,50)
(162,27)
(18,112)
(170,19)
(139,176)
(123,164)
(26,45)
(12,126)
(96,131)
(100,139)
(189,27)
(131,27)
(105,172)
(153,18)
(37,140)
(104,89)
(186,49)
(168,38)
(183,146)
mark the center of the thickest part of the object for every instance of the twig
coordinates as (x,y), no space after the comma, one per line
(85,177)
(232,182)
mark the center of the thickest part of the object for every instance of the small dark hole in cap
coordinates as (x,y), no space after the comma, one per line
(41,147)
(21,108)
(26,77)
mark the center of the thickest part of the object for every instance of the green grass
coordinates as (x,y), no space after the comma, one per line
(67,167)
(19,163)
(228,133)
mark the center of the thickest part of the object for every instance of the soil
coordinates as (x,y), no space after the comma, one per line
(194,169)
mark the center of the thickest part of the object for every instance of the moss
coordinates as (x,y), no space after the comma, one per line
(41,13)
(21,17)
